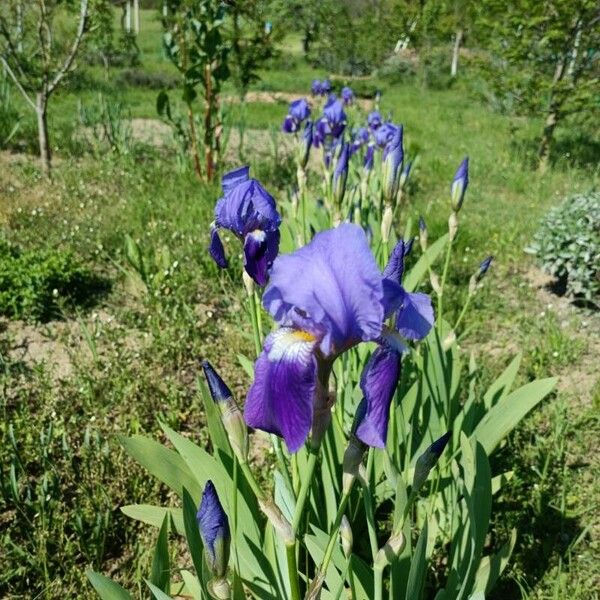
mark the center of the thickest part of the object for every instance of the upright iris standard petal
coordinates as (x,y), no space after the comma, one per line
(414,314)
(385,134)
(232,179)
(216,248)
(214,530)
(347,96)
(459,185)
(325,87)
(315,289)
(315,87)
(378,384)
(280,400)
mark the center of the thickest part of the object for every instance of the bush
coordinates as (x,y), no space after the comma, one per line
(35,285)
(398,68)
(568,245)
(152,81)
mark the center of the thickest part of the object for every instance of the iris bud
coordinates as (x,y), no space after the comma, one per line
(423,235)
(219,589)
(346,536)
(386,222)
(214,530)
(459,185)
(340,175)
(477,277)
(390,551)
(231,415)
(427,461)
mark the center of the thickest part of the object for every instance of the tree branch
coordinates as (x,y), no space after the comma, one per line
(17,83)
(81,29)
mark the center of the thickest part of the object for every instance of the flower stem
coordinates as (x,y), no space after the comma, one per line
(255,329)
(290,550)
(462,312)
(443,285)
(304,489)
(378,581)
(234,515)
(368,502)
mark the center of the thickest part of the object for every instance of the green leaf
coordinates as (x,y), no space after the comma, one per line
(192,585)
(507,413)
(106,588)
(414,276)
(154,515)
(246,364)
(501,386)
(163,105)
(157,592)
(192,536)
(161,569)
(491,567)
(165,464)
(418,568)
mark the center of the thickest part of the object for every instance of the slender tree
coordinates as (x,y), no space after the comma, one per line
(546,55)
(36,59)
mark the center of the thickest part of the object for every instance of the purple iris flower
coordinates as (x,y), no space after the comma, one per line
(347,96)
(323,308)
(325,87)
(374,120)
(384,134)
(315,87)
(306,142)
(335,117)
(459,184)
(214,530)
(248,211)
(298,111)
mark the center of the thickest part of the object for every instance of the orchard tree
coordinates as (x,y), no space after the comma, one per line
(546,55)
(37,56)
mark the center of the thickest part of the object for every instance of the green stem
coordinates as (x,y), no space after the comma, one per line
(463,312)
(281,460)
(304,489)
(378,581)
(252,481)
(255,329)
(258,317)
(351,580)
(290,551)
(443,285)
(368,502)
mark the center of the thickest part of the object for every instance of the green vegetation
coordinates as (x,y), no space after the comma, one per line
(133,359)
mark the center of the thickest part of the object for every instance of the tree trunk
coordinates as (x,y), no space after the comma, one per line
(546,141)
(128,16)
(41,109)
(455,52)
(136,16)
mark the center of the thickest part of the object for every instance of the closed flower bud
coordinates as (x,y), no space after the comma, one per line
(405,174)
(340,175)
(390,551)
(393,155)
(427,461)
(214,530)
(346,536)
(281,525)
(305,144)
(231,415)
(352,460)
(483,268)
(219,589)
(459,185)
(386,222)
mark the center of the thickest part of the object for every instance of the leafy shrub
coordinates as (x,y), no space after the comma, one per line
(398,68)
(152,81)
(34,284)
(568,245)
(434,66)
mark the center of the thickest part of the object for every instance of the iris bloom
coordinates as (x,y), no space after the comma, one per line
(374,120)
(347,96)
(326,297)
(459,185)
(360,139)
(247,210)
(385,133)
(298,112)
(332,124)
(393,155)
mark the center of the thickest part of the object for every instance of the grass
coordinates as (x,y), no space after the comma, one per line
(134,359)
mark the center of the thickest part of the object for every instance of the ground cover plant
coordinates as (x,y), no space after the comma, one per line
(131,364)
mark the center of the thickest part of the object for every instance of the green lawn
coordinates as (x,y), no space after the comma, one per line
(134,359)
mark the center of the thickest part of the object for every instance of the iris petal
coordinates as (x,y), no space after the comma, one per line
(234,178)
(216,249)
(280,400)
(415,317)
(378,384)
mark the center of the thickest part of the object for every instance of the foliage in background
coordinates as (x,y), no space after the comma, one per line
(37,285)
(545,56)
(567,244)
